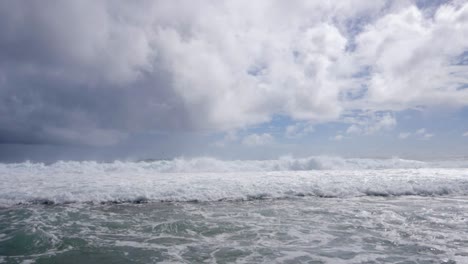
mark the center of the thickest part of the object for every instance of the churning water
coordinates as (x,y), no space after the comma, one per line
(313,210)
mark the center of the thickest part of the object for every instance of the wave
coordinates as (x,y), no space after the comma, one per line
(207,164)
(206,179)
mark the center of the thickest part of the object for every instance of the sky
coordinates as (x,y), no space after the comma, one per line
(129,80)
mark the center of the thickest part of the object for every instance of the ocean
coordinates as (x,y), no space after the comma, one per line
(204,210)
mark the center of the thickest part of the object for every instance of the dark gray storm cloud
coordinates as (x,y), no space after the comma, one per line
(66,76)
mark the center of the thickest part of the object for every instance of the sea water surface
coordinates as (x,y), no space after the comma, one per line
(311,210)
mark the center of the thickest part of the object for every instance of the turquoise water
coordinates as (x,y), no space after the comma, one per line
(369,229)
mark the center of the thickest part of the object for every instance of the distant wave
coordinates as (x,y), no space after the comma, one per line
(207,164)
(206,179)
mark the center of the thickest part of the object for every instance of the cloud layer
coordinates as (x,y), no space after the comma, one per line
(94,72)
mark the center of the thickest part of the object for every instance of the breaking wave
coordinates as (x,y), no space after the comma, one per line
(207,164)
(207,179)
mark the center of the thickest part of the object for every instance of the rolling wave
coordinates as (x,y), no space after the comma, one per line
(207,164)
(206,179)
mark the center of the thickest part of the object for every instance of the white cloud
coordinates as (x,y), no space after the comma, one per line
(353,129)
(257,140)
(404,135)
(427,136)
(298,130)
(370,123)
(337,137)
(247,76)
(227,65)
(420,131)
(229,137)
(419,134)
(410,63)
(423,134)
(465,134)
(386,122)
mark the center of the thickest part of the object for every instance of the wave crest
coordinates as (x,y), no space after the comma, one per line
(207,164)
(206,179)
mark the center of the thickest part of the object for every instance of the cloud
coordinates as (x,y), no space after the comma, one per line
(337,137)
(427,136)
(229,137)
(420,131)
(97,137)
(370,123)
(217,66)
(298,130)
(423,134)
(257,140)
(408,59)
(404,135)
(465,134)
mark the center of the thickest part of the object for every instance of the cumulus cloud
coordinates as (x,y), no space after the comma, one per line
(427,136)
(257,140)
(337,137)
(370,123)
(229,137)
(420,131)
(298,130)
(409,61)
(423,134)
(404,135)
(93,72)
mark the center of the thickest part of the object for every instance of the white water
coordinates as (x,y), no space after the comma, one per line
(206,179)
(207,164)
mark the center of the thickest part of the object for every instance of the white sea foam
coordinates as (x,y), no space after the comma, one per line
(206,179)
